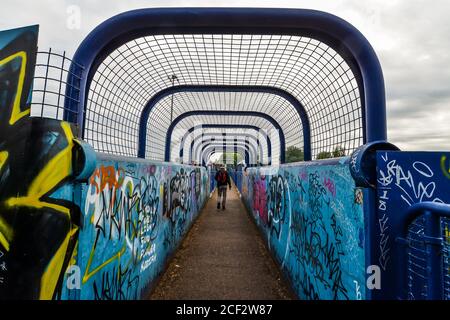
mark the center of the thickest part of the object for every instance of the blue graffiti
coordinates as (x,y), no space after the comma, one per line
(310,209)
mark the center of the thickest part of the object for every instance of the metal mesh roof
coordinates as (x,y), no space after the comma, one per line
(207,155)
(226,146)
(195,138)
(311,71)
(194,121)
(240,149)
(233,101)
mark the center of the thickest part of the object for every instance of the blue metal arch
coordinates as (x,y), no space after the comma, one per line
(226,143)
(229,126)
(143,122)
(216,137)
(249,162)
(272,121)
(242,152)
(246,154)
(236,146)
(337,33)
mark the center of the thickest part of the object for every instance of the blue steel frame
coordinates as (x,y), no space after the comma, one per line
(433,240)
(246,154)
(229,126)
(239,149)
(194,154)
(327,28)
(272,121)
(243,147)
(335,32)
(216,137)
(225,144)
(214,88)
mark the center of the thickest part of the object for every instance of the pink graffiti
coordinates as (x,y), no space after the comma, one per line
(329,184)
(260,200)
(303,176)
(151,170)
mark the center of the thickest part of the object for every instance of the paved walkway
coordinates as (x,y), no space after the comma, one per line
(223,257)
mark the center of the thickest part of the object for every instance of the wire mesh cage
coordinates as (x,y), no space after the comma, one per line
(50,86)
(314,73)
(418,259)
(445,222)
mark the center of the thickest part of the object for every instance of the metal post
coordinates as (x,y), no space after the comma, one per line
(172,78)
(225,158)
(235,149)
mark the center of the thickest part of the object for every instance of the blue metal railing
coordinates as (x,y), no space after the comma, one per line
(238,180)
(425,269)
(212,182)
(236,176)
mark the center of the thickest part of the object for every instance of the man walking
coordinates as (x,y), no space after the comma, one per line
(223,179)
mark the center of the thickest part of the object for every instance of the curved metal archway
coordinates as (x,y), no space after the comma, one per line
(272,121)
(231,145)
(223,137)
(244,154)
(220,146)
(216,88)
(227,145)
(217,138)
(227,126)
(326,28)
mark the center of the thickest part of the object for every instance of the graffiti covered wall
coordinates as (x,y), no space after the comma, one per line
(68,233)
(312,218)
(36,227)
(405,179)
(135,213)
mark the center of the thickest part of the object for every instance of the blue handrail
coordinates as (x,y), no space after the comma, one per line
(433,240)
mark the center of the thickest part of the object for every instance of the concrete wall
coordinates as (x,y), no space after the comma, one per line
(311,216)
(134,215)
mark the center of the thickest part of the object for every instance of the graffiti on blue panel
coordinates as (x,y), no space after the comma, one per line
(313,219)
(38,219)
(404,179)
(134,217)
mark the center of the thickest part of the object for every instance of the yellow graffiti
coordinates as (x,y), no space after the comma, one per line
(53,173)
(16,113)
(5,231)
(88,274)
(73,258)
(6,234)
(56,170)
(50,277)
(447,235)
(3,157)
(444,168)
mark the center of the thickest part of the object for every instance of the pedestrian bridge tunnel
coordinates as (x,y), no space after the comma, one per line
(115,158)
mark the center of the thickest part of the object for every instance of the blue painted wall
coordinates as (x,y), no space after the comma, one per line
(134,215)
(405,179)
(311,216)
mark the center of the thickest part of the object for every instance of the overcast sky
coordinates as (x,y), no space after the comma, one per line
(411,38)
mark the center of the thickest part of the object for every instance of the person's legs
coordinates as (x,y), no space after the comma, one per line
(224,197)
(219,194)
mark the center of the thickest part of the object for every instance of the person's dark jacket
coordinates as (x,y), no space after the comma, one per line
(227,180)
